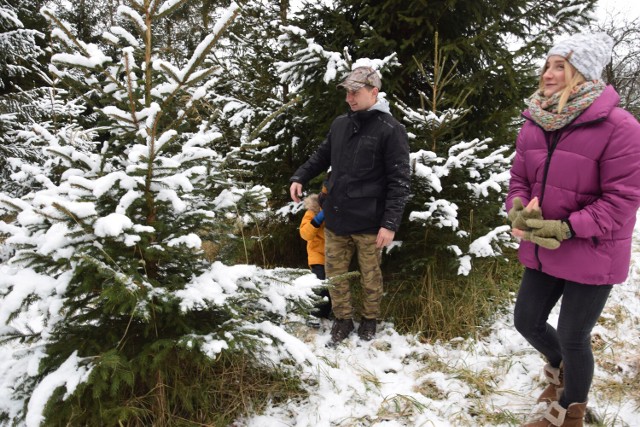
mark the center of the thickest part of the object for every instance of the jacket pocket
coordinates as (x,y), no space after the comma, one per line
(360,189)
(365,156)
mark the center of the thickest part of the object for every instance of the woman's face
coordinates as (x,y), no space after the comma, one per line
(554,77)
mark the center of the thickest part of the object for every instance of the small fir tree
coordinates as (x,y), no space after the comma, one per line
(457,185)
(120,315)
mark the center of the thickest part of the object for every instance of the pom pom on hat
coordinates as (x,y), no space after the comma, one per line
(588,53)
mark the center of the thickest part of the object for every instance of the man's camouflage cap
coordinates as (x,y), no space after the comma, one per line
(360,77)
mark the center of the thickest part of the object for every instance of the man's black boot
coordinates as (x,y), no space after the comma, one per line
(340,330)
(367,329)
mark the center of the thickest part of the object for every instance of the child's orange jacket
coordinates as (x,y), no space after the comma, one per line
(312,234)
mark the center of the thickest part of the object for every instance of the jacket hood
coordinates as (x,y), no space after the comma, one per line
(311,203)
(381,105)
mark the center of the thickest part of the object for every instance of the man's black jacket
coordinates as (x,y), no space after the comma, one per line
(370,178)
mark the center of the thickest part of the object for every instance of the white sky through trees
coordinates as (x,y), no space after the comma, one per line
(628,8)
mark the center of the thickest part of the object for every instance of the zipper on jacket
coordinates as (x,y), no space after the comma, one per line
(552,142)
(552,139)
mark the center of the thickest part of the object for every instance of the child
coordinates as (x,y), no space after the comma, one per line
(312,230)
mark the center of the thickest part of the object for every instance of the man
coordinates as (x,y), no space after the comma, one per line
(368,153)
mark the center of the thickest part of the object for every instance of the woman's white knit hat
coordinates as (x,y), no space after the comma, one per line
(589,53)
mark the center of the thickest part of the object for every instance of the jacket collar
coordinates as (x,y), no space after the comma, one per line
(357,118)
(362,116)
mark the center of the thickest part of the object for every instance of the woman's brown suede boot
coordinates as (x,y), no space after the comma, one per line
(555,377)
(557,416)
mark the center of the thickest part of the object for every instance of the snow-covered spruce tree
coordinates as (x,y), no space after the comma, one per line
(457,185)
(19,49)
(110,312)
(260,118)
(19,66)
(250,100)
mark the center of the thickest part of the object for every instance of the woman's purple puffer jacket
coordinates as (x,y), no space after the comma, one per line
(587,172)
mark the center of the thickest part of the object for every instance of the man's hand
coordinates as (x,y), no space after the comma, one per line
(385,237)
(296,191)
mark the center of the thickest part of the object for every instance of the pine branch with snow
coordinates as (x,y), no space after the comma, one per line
(19,50)
(123,313)
(20,69)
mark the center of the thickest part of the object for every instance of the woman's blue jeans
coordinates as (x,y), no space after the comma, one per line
(570,342)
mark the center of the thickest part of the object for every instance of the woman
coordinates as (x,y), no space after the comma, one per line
(577,170)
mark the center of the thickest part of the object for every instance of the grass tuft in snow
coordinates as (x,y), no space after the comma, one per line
(442,305)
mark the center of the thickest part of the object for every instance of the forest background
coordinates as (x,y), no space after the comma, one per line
(153,140)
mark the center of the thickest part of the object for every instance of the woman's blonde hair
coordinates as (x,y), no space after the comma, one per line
(572,76)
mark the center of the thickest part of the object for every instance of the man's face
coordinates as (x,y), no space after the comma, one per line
(362,99)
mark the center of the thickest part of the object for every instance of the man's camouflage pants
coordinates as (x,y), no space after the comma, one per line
(338,253)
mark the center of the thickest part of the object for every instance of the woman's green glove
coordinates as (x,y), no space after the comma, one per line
(547,233)
(518,215)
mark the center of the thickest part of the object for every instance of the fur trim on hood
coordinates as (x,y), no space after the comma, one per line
(311,203)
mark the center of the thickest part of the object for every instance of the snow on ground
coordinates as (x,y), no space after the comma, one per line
(396,380)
